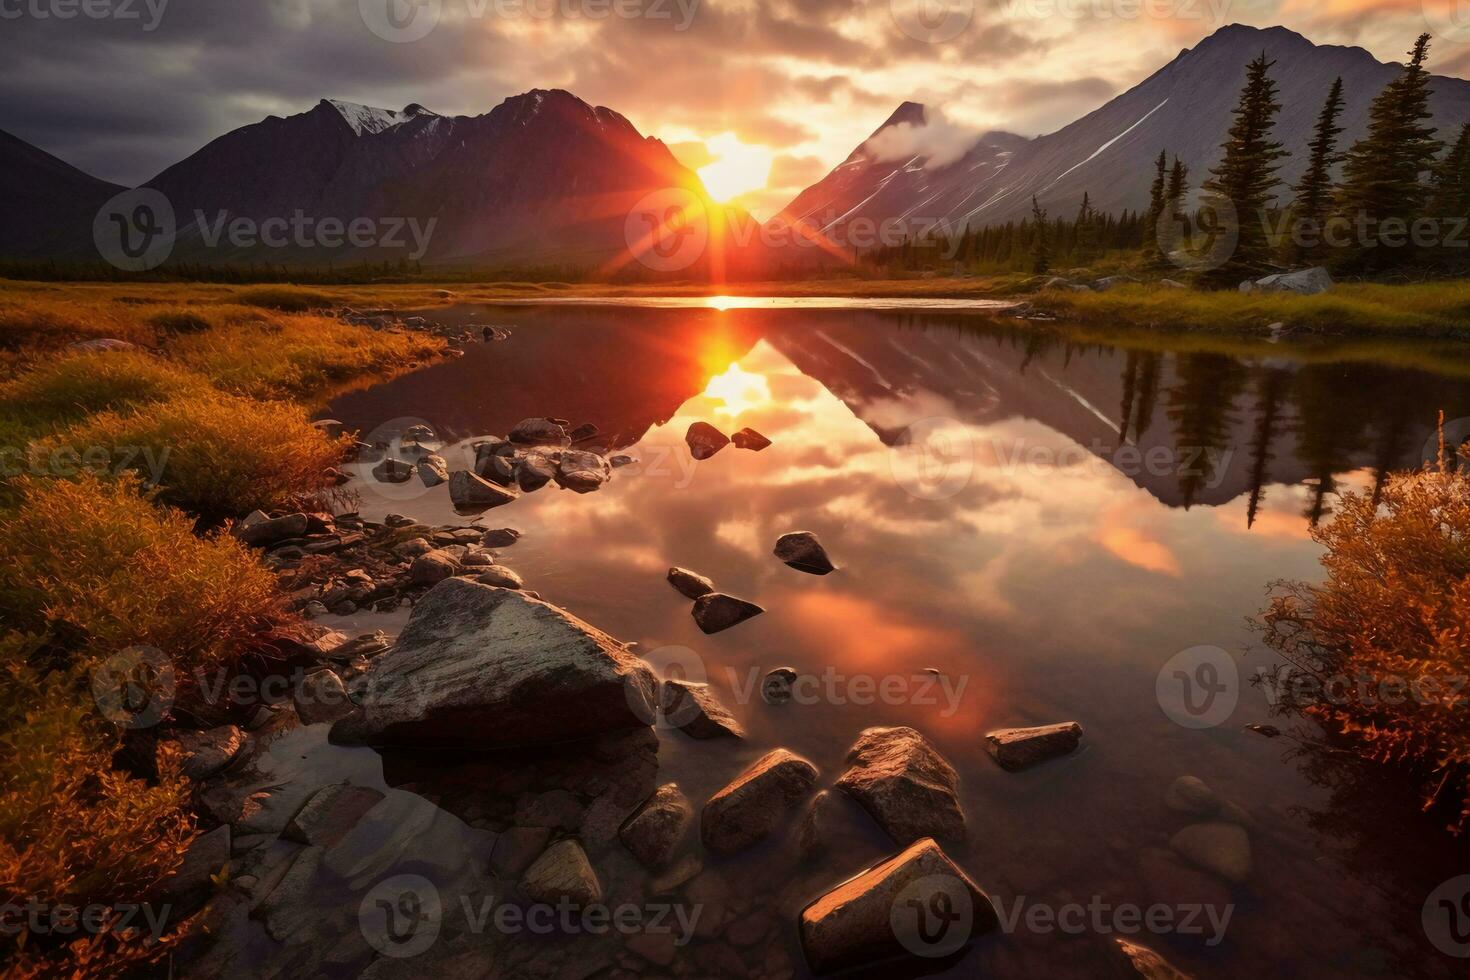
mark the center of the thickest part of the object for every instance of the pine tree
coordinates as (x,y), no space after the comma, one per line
(1241,188)
(1085,232)
(1381,184)
(1171,212)
(1313,204)
(1151,250)
(1451,190)
(1040,250)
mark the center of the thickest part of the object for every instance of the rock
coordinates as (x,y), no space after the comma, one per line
(516,848)
(500,470)
(1108,282)
(478,559)
(330,813)
(555,809)
(705,440)
(621,459)
(292,905)
(502,537)
(656,828)
(562,872)
(582,471)
(206,753)
(261,531)
(905,784)
(716,611)
(749,808)
(494,668)
(534,471)
(1148,964)
(102,344)
(500,577)
(748,438)
(696,711)
(816,825)
(583,432)
(393,470)
(413,547)
(1188,794)
(864,920)
(1303,282)
(538,432)
(691,584)
(363,645)
(191,884)
(1172,284)
(432,567)
(1223,848)
(433,470)
(1018,748)
(684,870)
(803,552)
(321,697)
(776,688)
(470,493)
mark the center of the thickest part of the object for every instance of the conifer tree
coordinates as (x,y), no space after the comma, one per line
(1451,195)
(1085,232)
(1151,250)
(1040,250)
(1381,178)
(1240,188)
(1313,204)
(1172,211)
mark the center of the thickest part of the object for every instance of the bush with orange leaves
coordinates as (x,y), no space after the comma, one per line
(1385,639)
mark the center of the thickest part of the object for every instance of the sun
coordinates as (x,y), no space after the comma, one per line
(739,390)
(738,168)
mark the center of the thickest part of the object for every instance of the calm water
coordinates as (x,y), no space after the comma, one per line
(1045,523)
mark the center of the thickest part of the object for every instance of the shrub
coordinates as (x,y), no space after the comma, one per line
(1394,611)
(171,322)
(287,299)
(215,455)
(77,385)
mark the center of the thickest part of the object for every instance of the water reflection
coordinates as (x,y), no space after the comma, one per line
(1042,522)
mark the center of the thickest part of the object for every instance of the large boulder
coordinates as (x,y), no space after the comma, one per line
(493,667)
(1303,282)
(470,493)
(562,872)
(705,440)
(1020,748)
(905,784)
(539,432)
(655,830)
(747,810)
(803,552)
(889,911)
(716,611)
(691,584)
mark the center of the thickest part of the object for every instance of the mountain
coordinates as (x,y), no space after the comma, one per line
(48,204)
(1185,107)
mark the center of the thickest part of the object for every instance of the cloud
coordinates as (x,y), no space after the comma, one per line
(939,141)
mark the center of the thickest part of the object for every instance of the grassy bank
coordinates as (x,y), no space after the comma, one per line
(211,410)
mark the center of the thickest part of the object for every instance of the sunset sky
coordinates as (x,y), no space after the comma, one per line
(760,95)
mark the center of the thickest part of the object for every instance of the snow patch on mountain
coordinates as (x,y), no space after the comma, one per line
(1102,149)
(366,120)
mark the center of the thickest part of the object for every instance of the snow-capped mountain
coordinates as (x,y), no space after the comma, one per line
(1185,108)
(543,177)
(48,204)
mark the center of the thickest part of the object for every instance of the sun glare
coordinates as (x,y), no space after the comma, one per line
(738,168)
(739,390)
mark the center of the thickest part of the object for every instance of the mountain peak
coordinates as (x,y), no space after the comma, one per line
(366,120)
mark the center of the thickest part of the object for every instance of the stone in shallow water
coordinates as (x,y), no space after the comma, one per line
(905,784)
(748,438)
(777,686)
(750,807)
(1020,748)
(433,470)
(656,829)
(1148,964)
(470,493)
(321,697)
(705,440)
(393,470)
(432,567)
(717,611)
(695,710)
(539,432)
(690,584)
(803,552)
(206,753)
(500,577)
(887,912)
(562,871)
(534,471)
(582,471)
(500,537)
(1189,794)
(330,814)
(1224,848)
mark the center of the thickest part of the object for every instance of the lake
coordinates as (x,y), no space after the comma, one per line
(1029,528)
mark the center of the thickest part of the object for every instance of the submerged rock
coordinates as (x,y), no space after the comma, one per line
(562,872)
(539,432)
(655,829)
(716,611)
(905,784)
(691,584)
(750,807)
(471,493)
(206,753)
(705,440)
(582,471)
(331,813)
(696,711)
(803,552)
(492,668)
(502,537)
(500,577)
(1189,794)
(433,470)
(1224,848)
(393,470)
(885,912)
(1020,748)
(748,438)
